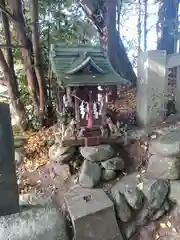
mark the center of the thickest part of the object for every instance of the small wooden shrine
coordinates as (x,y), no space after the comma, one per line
(86,84)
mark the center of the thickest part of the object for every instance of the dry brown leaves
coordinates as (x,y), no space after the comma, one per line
(36,149)
(36,155)
(127,99)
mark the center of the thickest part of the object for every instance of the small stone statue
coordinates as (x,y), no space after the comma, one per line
(70,131)
(105,132)
(113,128)
(81,132)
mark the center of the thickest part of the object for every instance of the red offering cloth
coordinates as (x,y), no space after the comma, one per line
(90,113)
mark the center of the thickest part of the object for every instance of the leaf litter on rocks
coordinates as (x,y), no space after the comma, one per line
(36,156)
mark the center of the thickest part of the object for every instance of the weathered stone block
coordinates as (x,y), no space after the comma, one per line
(8,182)
(92,214)
(127,186)
(34,223)
(90,174)
(152,87)
(167,144)
(164,167)
(97,153)
(155,190)
(123,209)
(174,194)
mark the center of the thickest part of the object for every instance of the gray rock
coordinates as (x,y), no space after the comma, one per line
(167,144)
(161,212)
(142,216)
(146,213)
(158,214)
(62,171)
(174,194)
(92,214)
(166,206)
(61,154)
(108,175)
(115,163)
(155,190)
(164,167)
(97,153)
(35,223)
(128,187)
(90,174)
(130,229)
(123,209)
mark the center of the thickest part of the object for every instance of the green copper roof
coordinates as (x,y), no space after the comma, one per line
(83,65)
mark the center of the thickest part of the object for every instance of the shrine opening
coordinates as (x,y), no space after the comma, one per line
(85,85)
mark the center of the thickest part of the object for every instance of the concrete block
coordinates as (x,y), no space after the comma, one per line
(92,214)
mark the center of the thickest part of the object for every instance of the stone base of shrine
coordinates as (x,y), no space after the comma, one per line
(91,141)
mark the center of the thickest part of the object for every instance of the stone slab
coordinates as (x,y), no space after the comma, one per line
(34,223)
(167,144)
(92,214)
(164,167)
(9,202)
(97,153)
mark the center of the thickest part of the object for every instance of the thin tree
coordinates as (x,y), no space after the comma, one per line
(8,68)
(103,14)
(38,59)
(166,25)
(24,39)
(30,52)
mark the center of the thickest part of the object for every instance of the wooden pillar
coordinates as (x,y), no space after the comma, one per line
(9,201)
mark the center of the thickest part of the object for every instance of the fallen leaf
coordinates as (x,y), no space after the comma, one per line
(163,225)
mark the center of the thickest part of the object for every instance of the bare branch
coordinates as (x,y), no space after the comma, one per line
(10,15)
(11,46)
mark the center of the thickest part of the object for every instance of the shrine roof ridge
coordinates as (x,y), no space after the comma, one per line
(69,60)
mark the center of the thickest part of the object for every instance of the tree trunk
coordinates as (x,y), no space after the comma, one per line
(38,58)
(27,51)
(8,68)
(167,26)
(103,15)
(9,76)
